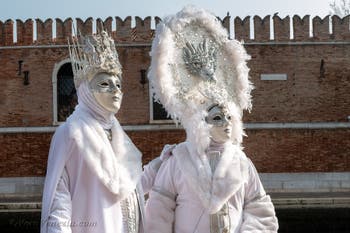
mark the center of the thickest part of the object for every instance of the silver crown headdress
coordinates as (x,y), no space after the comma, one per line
(201,60)
(194,64)
(93,54)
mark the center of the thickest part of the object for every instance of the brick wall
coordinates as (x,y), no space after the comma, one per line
(299,150)
(135,105)
(270,150)
(24,154)
(32,105)
(310,94)
(29,105)
(316,90)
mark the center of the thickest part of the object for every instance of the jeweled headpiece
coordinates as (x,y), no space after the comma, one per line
(200,60)
(194,65)
(93,54)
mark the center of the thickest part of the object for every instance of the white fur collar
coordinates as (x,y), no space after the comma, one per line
(117,163)
(212,189)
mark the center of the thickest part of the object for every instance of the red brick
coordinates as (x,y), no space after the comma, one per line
(311,93)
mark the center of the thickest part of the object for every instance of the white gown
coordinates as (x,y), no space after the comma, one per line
(88,177)
(186,193)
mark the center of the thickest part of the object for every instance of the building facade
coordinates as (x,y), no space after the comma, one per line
(298,132)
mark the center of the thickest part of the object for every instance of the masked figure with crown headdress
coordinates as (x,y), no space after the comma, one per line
(208,185)
(94,181)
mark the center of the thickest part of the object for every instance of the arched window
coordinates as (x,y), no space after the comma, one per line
(64,93)
(158,114)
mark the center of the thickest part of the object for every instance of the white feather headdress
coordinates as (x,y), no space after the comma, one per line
(194,64)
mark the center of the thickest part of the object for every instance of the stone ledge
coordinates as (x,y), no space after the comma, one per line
(279,203)
(284,200)
(284,203)
(20,207)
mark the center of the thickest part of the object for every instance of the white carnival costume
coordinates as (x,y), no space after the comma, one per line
(208,185)
(94,181)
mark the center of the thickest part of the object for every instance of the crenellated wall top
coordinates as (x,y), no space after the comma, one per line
(141,30)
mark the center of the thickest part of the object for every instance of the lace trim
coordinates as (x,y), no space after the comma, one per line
(130,212)
(220,222)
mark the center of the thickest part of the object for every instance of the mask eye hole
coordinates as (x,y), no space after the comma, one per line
(118,85)
(217,118)
(229,118)
(104,84)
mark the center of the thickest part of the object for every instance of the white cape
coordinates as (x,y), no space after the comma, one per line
(83,136)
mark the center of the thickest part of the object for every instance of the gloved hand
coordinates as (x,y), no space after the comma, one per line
(167,151)
(164,155)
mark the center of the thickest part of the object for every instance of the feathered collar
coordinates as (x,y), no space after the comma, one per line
(212,189)
(117,163)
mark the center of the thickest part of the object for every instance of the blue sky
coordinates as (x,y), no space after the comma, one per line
(43,9)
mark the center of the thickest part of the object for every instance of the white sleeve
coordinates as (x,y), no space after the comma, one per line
(258,211)
(160,207)
(150,170)
(61,210)
(149,173)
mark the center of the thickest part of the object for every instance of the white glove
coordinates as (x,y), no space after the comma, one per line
(167,151)
(164,155)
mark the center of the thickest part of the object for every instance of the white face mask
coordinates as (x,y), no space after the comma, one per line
(106,89)
(221,122)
